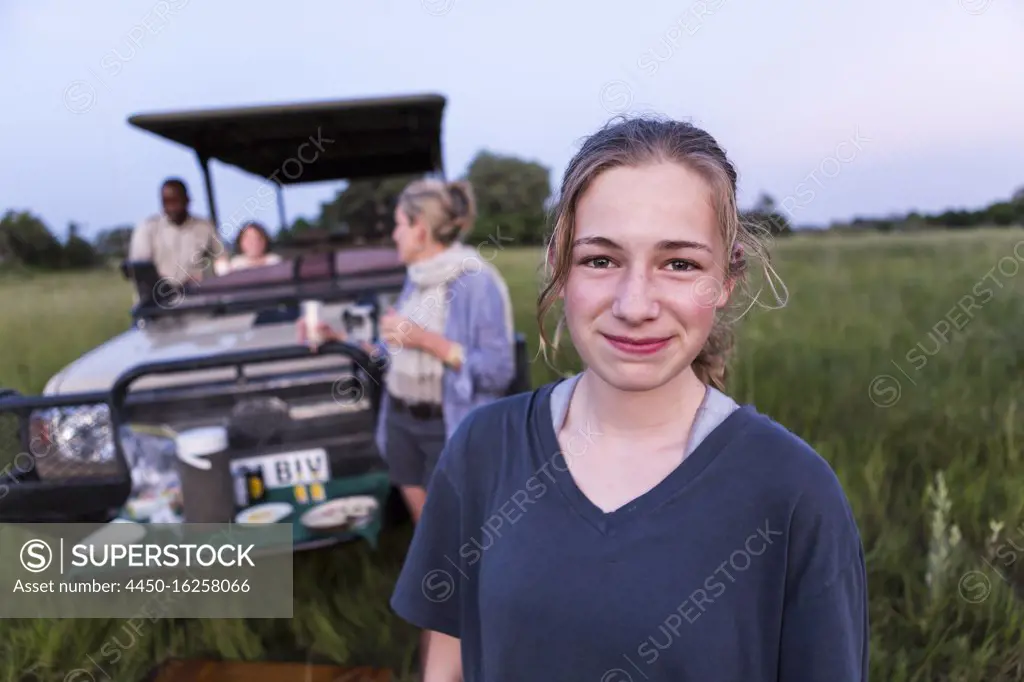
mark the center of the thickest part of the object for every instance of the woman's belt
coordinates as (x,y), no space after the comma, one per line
(422,411)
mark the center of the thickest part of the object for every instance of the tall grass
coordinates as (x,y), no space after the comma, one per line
(929,454)
(47,320)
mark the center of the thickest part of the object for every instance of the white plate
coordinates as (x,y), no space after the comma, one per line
(357,510)
(326,515)
(271,512)
(142,509)
(288,469)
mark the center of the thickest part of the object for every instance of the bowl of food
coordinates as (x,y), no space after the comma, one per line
(360,509)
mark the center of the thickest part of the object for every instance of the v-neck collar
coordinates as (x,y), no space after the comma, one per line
(665,490)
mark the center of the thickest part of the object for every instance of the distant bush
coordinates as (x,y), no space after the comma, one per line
(79,253)
(25,240)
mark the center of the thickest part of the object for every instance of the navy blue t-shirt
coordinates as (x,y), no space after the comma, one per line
(743,564)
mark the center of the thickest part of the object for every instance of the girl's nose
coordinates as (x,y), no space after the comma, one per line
(636,300)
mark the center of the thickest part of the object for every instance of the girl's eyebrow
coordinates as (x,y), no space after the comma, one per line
(664,245)
(596,241)
(671,245)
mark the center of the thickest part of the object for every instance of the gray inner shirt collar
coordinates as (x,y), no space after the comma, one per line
(713,410)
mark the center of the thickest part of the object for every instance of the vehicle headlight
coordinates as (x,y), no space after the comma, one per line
(73,442)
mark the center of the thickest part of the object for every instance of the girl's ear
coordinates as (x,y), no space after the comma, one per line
(725,293)
(737,262)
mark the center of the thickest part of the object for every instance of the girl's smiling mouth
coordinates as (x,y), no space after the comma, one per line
(637,346)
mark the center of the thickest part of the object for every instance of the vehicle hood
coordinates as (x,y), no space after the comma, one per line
(175,339)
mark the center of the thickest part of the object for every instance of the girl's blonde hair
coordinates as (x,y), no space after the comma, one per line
(447,208)
(636,142)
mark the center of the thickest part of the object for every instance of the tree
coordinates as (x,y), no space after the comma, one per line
(114,242)
(25,239)
(956,219)
(764,214)
(78,253)
(301,225)
(511,194)
(365,208)
(1005,213)
(1018,198)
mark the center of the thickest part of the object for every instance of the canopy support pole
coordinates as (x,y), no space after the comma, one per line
(438,161)
(280,207)
(204,163)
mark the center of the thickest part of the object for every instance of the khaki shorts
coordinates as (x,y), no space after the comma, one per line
(412,447)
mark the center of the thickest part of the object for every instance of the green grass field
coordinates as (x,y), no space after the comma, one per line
(879,361)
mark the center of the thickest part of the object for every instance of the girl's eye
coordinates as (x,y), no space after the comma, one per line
(681,265)
(596,262)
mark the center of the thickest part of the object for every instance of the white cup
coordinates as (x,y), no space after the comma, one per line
(194,446)
(311,314)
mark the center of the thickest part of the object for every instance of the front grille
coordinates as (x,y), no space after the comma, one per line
(267,399)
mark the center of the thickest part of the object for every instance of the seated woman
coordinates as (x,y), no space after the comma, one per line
(253,250)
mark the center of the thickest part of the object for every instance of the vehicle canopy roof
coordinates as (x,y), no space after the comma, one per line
(354,138)
(300,143)
(315,141)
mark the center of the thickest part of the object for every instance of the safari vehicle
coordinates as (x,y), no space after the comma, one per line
(99,444)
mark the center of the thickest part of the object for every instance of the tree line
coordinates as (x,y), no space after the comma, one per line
(513,195)
(1006,213)
(26,241)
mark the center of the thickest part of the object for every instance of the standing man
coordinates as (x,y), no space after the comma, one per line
(181,246)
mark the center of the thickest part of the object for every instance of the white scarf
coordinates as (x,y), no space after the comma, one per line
(415,376)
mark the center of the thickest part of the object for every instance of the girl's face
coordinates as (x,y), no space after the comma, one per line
(410,237)
(252,243)
(646,275)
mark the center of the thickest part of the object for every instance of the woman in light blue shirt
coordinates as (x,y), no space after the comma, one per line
(448,345)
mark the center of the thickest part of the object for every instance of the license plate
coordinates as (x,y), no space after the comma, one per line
(288,468)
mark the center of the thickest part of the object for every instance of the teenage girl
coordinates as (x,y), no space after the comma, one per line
(634,523)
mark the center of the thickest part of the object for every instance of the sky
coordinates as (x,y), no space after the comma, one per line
(835,109)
